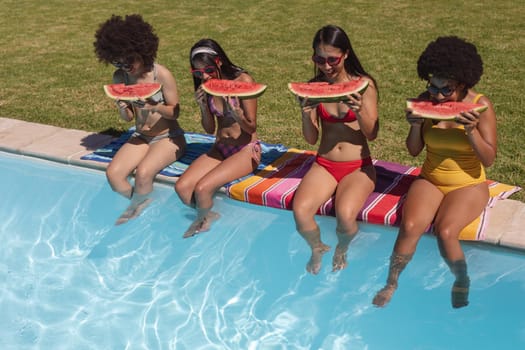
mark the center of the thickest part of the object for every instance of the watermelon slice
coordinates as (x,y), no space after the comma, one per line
(241,89)
(133,92)
(443,110)
(326,92)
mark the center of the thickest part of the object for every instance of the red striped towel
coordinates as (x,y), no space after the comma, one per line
(275,185)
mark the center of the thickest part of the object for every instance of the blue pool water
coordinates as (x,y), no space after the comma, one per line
(70,279)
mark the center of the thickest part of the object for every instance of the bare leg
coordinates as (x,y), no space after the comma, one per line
(339,260)
(351,194)
(398,263)
(138,203)
(205,217)
(313,238)
(460,289)
(459,208)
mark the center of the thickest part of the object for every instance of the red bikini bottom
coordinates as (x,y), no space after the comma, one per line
(340,169)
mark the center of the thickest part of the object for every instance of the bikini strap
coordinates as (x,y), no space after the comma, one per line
(476,99)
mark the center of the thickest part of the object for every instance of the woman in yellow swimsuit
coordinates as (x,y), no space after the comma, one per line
(451,191)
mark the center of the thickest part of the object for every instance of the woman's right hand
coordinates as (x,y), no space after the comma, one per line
(306,107)
(200,97)
(413,119)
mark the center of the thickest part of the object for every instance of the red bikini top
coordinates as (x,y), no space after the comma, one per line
(321,112)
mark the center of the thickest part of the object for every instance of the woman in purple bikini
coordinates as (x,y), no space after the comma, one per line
(236,151)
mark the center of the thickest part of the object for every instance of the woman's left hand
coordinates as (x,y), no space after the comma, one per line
(354,101)
(469,119)
(232,106)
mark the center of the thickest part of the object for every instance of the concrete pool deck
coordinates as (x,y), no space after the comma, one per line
(506,225)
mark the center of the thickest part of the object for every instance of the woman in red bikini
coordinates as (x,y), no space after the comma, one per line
(236,151)
(343,165)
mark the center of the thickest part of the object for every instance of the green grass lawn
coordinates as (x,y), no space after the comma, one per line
(50,74)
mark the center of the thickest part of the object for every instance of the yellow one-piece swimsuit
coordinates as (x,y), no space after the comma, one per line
(450,162)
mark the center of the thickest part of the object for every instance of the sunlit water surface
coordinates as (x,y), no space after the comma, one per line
(70,279)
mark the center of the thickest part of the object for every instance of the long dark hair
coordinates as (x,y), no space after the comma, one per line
(335,36)
(208,51)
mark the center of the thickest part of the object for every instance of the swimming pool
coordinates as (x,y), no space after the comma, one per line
(70,279)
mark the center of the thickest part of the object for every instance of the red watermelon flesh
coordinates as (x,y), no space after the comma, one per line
(443,110)
(241,89)
(326,92)
(140,91)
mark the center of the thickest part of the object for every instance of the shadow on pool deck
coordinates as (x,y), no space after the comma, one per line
(507,219)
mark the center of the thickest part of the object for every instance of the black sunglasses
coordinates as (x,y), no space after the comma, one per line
(445,90)
(123,66)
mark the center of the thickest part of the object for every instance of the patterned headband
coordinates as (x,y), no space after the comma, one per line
(203,49)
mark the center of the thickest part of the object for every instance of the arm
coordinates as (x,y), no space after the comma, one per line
(170,109)
(125,109)
(244,111)
(207,119)
(310,122)
(365,108)
(481,132)
(414,141)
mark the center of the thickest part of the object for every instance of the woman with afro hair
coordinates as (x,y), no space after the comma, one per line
(451,190)
(130,44)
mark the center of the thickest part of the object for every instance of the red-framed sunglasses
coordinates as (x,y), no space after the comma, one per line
(331,60)
(199,72)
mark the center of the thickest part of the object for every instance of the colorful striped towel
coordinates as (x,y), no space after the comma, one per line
(275,185)
(197,144)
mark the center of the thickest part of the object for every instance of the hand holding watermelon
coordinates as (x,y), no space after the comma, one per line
(469,119)
(232,107)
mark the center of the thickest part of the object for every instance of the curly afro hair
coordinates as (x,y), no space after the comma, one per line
(452,58)
(126,38)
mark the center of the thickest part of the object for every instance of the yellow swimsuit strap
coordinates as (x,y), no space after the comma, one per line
(476,99)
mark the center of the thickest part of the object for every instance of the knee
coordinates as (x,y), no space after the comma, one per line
(346,217)
(112,175)
(143,175)
(203,189)
(302,209)
(183,188)
(445,233)
(412,227)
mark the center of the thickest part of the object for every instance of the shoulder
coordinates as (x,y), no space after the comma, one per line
(245,77)
(162,71)
(371,82)
(476,97)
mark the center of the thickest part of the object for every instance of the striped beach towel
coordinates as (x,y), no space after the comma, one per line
(197,144)
(275,185)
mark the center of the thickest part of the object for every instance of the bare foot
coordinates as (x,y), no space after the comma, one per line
(133,211)
(314,265)
(384,295)
(201,224)
(339,259)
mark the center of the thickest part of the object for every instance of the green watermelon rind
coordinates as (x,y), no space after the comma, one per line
(152,89)
(415,105)
(327,95)
(226,88)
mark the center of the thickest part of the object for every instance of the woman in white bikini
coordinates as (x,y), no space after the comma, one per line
(130,44)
